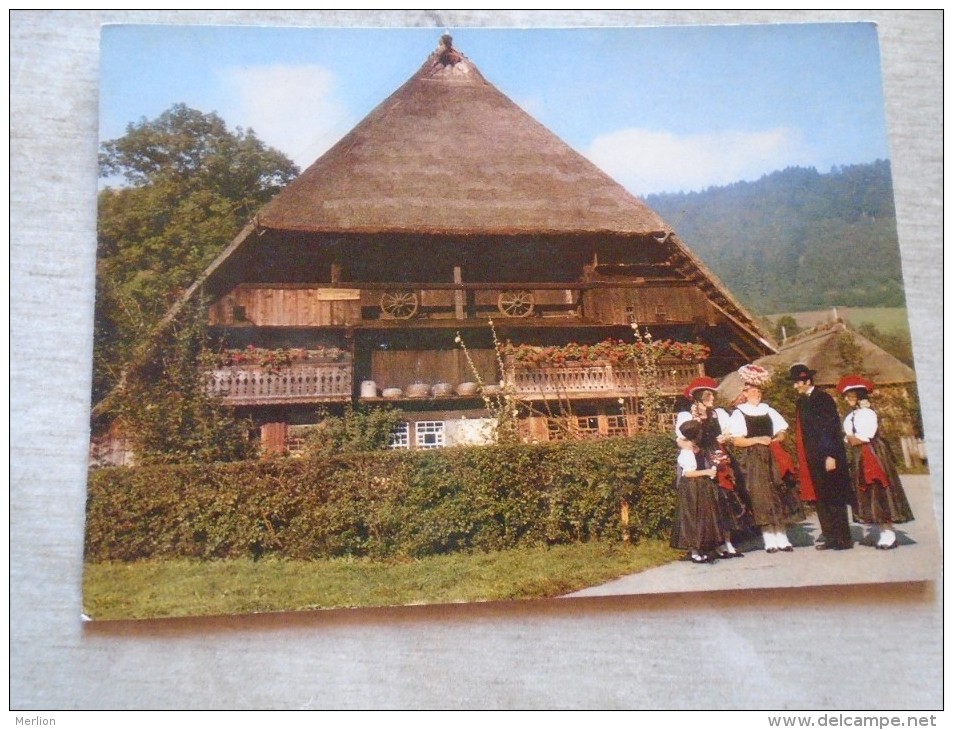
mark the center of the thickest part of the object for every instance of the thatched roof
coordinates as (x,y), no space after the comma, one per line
(448,153)
(820,350)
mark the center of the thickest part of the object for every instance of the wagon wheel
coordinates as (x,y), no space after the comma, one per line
(399,304)
(517,303)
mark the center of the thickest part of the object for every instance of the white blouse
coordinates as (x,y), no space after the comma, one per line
(739,427)
(861,423)
(682,416)
(687,460)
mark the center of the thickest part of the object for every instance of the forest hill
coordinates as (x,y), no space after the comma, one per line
(773,241)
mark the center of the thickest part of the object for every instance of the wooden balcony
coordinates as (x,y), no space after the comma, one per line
(422,304)
(596,380)
(308,382)
(298,383)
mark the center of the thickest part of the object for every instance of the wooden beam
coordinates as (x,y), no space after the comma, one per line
(472,286)
(458,294)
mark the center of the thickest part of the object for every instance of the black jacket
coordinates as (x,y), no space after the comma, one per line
(819,425)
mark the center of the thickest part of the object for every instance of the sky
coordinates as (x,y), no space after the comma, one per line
(663,109)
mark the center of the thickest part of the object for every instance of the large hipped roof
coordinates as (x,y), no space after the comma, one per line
(448,153)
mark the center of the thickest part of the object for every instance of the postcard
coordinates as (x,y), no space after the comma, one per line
(403,316)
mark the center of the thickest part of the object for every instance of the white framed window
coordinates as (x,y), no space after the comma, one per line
(429,434)
(296,439)
(400,436)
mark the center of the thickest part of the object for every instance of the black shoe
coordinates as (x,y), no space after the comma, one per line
(771,550)
(787,549)
(834,546)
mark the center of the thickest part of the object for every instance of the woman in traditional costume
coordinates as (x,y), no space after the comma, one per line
(715,433)
(757,432)
(699,522)
(881,500)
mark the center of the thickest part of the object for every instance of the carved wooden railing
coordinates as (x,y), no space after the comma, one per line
(596,379)
(298,383)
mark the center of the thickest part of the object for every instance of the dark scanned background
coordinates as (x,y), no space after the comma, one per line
(779,649)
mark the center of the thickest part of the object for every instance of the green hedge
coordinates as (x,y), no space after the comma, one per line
(384,504)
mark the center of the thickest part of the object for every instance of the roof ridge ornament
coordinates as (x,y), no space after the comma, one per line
(447,55)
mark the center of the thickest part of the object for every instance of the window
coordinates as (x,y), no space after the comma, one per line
(400,436)
(429,434)
(556,427)
(617,426)
(296,438)
(587,426)
(582,427)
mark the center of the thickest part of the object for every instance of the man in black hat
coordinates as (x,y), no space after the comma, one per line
(823,459)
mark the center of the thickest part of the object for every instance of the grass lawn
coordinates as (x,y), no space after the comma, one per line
(155,589)
(886,319)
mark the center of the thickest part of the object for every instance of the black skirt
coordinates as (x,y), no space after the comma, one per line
(699,519)
(878,503)
(774,501)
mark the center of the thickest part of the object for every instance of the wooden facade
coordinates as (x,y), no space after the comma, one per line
(400,335)
(449,212)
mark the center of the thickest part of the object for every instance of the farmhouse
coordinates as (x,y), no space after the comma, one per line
(450,212)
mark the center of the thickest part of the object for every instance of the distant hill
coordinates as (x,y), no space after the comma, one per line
(797,239)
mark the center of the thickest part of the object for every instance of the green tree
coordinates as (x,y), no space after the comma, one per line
(797,239)
(166,411)
(356,431)
(779,393)
(850,353)
(785,327)
(189,185)
(897,344)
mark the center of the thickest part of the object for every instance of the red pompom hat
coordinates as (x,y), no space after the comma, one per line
(701,383)
(849,382)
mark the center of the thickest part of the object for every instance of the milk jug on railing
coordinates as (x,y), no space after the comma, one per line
(368,389)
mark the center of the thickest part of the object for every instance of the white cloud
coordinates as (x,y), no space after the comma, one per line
(291,108)
(648,162)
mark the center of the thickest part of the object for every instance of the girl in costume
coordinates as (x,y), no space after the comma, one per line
(715,434)
(881,500)
(699,522)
